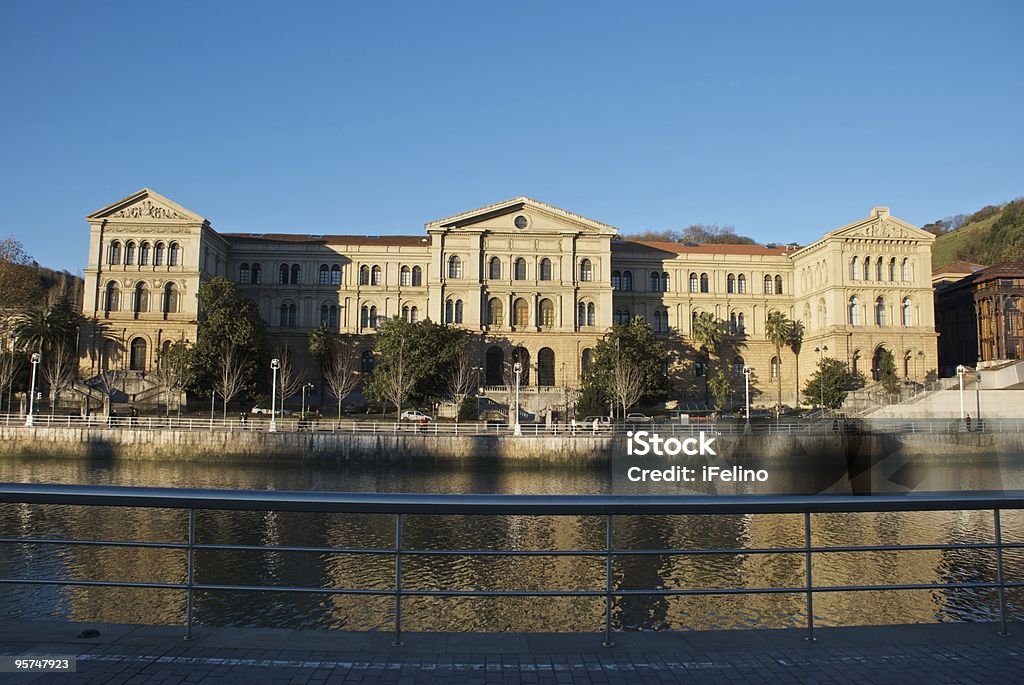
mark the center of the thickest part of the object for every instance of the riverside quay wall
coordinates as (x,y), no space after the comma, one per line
(763,449)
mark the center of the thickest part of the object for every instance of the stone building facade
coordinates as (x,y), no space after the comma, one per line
(535,283)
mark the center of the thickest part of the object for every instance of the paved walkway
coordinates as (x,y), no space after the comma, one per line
(957,653)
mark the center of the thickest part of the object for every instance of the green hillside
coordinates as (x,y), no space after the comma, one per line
(991,235)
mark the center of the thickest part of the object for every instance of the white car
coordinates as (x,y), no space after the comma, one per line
(415,416)
(638,418)
(266,410)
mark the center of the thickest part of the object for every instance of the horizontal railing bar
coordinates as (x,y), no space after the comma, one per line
(94,543)
(94,583)
(527,505)
(227,547)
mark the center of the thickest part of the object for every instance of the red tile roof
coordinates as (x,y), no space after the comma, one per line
(293,238)
(710,248)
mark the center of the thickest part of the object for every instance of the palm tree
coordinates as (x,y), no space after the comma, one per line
(43,328)
(707,333)
(796,341)
(777,331)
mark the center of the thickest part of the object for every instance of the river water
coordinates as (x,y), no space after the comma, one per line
(525,573)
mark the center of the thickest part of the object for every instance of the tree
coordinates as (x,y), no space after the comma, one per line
(226,319)
(720,389)
(321,343)
(40,329)
(341,370)
(627,383)
(829,384)
(796,342)
(396,372)
(11,364)
(19,281)
(777,330)
(462,376)
(59,369)
(173,369)
(707,335)
(887,371)
(615,355)
(231,380)
(109,382)
(289,378)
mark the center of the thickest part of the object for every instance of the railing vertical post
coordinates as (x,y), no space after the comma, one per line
(608,581)
(1000,579)
(810,578)
(190,572)
(398,581)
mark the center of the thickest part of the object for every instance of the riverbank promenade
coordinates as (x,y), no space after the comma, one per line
(947,653)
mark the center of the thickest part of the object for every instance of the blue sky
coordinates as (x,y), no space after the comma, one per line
(783,119)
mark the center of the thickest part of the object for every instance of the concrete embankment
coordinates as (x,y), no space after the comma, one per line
(760,450)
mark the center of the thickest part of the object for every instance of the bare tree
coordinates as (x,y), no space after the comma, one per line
(341,371)
(289,379)
(394,379)
(172,372)
(627,383)
(10,365)
(60,370)
(462,377)
(109,382)
(231,376)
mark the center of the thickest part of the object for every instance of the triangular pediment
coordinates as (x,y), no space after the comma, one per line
(146,205)
(880,225)
(523,215)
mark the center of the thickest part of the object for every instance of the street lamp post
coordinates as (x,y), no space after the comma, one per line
(305,388)
(960,369)
(746,388)
(821,378)
(275,364)
(32,395)
(517,368)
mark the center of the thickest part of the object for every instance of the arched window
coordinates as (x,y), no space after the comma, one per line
(591,314)
(114,253)
(693,282)
(141,298)
(741,284)
(364,316)
(324,275)
(144,254)
(257,273)
(282,275)
(414,315)
(769,285)
(520,269)
(375,276)
(137,359)
(545,269)
(908,312)
(732,323)
(616,280)
(521,312)
(417,276)
(329,315)
(878,269)
(906,364)
(586,358)
(892,269)
(129,254)
(458,311)
(244,275)
(737,366)
(366,361)
(449,311)
(546,314)
(335,274)
(296,274)
(494,366)
(405,276)
(655,282)
(172,300)
(494,269)
(855,269)
(405,313)
(373,316)
(581,314)
(854,318)
(288,315)
(778,285)
(174,255)
(364,275)
(495,312)
(113,297)
(867,268)
(905,270)
(775,368)
(627,280)
(664,282)
(586,270)
(660,320)
(880,312)
(546,367)
(621,316)
(454,267)
(822,315)
(158,254)
(705,283)
(741,326)
(730,284)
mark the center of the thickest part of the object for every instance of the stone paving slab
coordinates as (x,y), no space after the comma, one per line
(126,654)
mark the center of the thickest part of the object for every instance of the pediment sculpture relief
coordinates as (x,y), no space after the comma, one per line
(147,209)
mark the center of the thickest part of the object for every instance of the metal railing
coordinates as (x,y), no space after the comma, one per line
(787,425)
(402,505)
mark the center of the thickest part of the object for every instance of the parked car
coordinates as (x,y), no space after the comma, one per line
(266,410)
(637,417)
(415,415)
(603,422)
